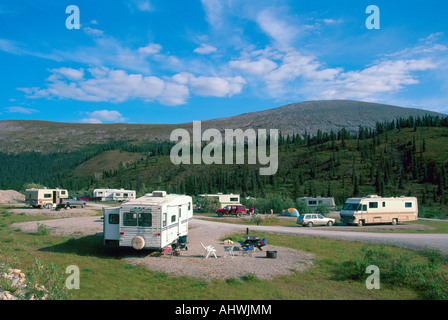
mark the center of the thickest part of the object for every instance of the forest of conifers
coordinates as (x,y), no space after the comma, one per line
(406,156)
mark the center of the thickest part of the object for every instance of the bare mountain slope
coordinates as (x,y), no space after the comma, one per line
(314,115)
(43,136)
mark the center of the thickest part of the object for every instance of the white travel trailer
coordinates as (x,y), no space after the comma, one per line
(375,209)
(46,198)
(114,194)
(153,221)
(314,202)
(224,199)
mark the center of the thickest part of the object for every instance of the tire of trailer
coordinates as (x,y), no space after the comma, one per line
(138,243)
(360,223)
(394,221)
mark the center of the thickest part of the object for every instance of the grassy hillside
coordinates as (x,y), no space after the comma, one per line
(400,157)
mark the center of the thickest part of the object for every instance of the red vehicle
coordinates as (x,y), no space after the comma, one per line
(236,209)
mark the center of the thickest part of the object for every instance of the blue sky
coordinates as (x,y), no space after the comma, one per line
(175,61)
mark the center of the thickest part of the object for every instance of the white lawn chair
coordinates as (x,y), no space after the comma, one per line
(228,250)
(208,250)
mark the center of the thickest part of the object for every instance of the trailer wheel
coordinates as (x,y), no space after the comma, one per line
(360,223)
(138,243)
(394,221)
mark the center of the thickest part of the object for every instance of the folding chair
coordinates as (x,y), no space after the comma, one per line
(247,251)
(208,250)
(228,250)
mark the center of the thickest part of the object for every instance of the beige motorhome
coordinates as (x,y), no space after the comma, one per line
(45,198)
(224,199)
(375,209)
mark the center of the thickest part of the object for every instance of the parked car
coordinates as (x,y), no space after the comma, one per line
(74,202)
(234,209)
(313,219)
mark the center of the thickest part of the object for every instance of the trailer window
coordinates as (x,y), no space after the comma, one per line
(47,195)
(234,199)
(164,219)
(173,218)
(145,219)
(114,218)
(130,219)
(384,204)
(373,205)
(408,204)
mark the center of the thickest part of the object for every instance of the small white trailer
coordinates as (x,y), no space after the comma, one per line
(153,221)
(224,199)
(375,209)
(315,202)
(114,194)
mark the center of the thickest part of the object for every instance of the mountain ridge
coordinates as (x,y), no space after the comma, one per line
(297,118)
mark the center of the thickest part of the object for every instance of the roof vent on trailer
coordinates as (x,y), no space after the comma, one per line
(372,196)
(159,194)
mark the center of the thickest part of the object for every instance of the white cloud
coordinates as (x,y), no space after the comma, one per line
(385,77)
(150,49)
(93,31)
(101,116)
(282,32)
(106,85)
(213,10)
(217,87)
(257,67)
(205,49)
(143,5)
(69,73)
(174,94)
(20,110)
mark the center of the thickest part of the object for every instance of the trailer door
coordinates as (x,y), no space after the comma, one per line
(111,224)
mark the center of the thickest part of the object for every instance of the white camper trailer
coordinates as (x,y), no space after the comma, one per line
(46,198)
(153,221)
(224,199)
(375,209)
(114,194)
(315,202)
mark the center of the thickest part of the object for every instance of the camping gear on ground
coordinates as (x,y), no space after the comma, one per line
(254,241)
(271,254)
(228,251)
(248,250)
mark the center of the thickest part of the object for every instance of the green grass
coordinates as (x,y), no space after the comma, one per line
(105,275)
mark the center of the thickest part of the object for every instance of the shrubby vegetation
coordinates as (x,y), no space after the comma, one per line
(426,277)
